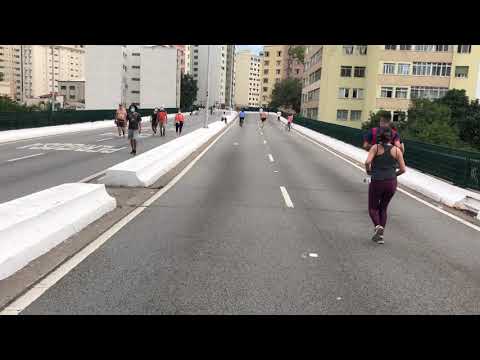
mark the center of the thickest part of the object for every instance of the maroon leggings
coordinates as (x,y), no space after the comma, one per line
(380,192)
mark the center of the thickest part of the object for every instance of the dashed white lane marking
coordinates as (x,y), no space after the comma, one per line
(25,157)
(25,300)
(339,298)
(264,141)
(286,197)
(235,143)
(104,134)
(434,207)
(110,138)
(275,171)
(270,157)
(314,255)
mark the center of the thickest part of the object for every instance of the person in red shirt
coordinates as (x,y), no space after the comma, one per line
(162,120)
(289,122)
(179,119)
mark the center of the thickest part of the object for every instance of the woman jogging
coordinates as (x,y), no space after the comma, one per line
(179,119)
(381,164)
(121,120)
(289,122)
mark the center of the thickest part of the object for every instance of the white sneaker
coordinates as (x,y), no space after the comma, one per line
(378,235)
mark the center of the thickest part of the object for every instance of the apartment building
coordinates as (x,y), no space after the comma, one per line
(230,77)
(11,72)
(277,65)
(188,59)
(247,75)
(73,92)
(344,83)
(214,56)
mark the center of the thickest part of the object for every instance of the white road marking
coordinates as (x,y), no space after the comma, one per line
(270,157)
(264,141)
(25,300)
(339,298)
(235,143)
(286,197)
(314,255)
(25,157)
(434,207)
(110,138)
(109,133)
(275,171)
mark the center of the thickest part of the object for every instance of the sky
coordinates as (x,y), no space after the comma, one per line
(253,48)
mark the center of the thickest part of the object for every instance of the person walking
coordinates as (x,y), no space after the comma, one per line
(179,119)
(121,120)
(224,117)
(381,165)
(134,127)
(289,122)
(279,115)
(263,118)
(162,118)
(154,121)
(241,116)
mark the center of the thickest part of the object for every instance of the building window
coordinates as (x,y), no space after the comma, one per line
(265,89)
(343,93)
(431,69)
(401,92)
(405,47)
(277,71)
(427,92)
(342,115)
(386,92)
(265,80)
(265,72)
(403,69)
(278,63)
(135,92)
(355,115)
(357,93)
(464,49)
(135,79)
(347,49)
(195,69)
(441,48)
(398,115)
(345,71)
(279,53)
(359,71)
(72,87)
(461,71)
(390,47)
(72,97)
(389,68)
(267,54)
(135,54)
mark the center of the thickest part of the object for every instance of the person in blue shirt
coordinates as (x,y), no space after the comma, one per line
(242,117)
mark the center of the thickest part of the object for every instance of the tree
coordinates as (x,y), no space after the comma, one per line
(297,52)
(188,91)
(287,95)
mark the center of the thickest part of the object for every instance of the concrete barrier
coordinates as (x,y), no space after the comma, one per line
(145,169)
(433,188)
(34,224)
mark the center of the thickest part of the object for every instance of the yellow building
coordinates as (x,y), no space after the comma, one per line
(277,65)
(247,79)
(342,84)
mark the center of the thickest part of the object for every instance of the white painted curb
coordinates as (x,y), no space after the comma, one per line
(34,224)
(145,169)
(440,191)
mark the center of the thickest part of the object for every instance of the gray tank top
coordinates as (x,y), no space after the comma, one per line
(384,165)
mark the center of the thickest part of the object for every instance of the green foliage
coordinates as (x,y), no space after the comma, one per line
(297,52)
(287,95)
(188,92)
(7,104)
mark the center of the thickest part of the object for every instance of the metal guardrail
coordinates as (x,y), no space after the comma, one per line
(462,168)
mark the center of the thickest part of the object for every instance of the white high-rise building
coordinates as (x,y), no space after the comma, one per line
(188,62)
(247,73)
(106,69)
(150,76)
(218,71)
(11,72)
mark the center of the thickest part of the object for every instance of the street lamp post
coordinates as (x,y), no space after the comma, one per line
(205,125)
(53,82)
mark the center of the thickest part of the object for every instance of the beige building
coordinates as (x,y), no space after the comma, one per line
(277,65)
(247,76)
(73,92)
(343,83)
(11,71)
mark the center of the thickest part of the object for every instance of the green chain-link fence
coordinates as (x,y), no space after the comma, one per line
(24,120)
(462,168)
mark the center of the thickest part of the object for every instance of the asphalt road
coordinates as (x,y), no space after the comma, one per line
(224,241)
(60,161)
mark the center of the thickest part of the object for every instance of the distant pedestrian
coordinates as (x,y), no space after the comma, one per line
(263,117)
(179,119)
(121,120)
(162,118)
(134,127)
(224,117)
(241,115)
(381,164)
(289,122)
(279,115)
(154,121)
